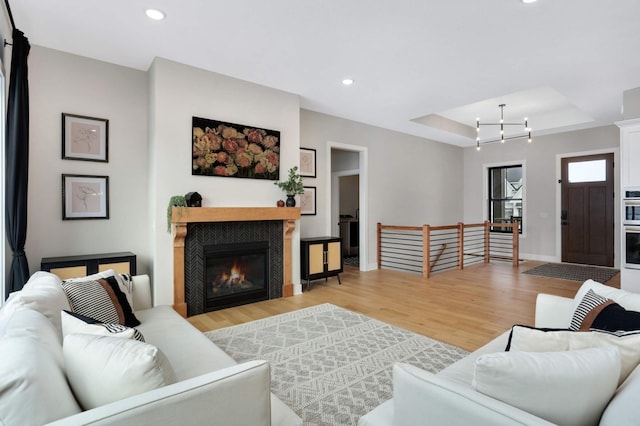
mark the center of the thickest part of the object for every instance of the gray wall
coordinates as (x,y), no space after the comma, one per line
(179,92)
(541,159)
(61,82)
(412,181)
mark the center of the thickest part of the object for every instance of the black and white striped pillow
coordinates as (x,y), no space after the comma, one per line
(76,323)
(588,309)
(101,299)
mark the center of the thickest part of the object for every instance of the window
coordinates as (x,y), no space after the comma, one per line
(506,187)
(588,171)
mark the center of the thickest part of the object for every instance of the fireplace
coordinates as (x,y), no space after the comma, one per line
(194,228)
(235,274)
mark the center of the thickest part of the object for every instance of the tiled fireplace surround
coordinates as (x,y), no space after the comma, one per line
(194,227)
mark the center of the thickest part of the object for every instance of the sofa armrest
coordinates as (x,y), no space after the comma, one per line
(421,398)
(553,311)
(236,395)
(141,292)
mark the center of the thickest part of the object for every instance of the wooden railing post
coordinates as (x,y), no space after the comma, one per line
(516,239)
(487,241)
(426,251)
(379,245)
(460,245)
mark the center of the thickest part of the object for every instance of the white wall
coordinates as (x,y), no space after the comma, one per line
(179,92)
(412,181)
(541,182)
(631,103)
(60,82)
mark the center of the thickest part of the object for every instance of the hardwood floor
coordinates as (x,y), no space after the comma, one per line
(465,308)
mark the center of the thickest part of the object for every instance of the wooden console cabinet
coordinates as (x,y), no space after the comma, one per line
(320,257)
(79,266)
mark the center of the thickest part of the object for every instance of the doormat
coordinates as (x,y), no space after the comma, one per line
(566,271)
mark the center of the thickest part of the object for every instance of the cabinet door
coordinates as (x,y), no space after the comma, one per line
(316,258)
(119,267)
(334,260)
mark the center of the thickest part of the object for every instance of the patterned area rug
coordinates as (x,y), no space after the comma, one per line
(331,365)
(571,272)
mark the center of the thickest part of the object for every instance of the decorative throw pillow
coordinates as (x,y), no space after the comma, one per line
(76,323)
(528,339)
(567,388)
(588,309)
(103,369)
(600,313)
(125,282)
(101,299)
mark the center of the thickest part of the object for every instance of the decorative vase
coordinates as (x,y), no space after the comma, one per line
(280,203)
(291,202)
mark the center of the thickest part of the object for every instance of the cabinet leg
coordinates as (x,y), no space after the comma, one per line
(339,280)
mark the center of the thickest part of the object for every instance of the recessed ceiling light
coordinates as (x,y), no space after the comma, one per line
(155,14)
(528,1)
(347,81)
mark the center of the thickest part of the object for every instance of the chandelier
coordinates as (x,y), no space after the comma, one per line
(502,124)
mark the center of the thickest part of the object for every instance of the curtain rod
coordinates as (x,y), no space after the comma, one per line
(13,24)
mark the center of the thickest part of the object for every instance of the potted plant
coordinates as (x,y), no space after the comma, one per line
(292,186)
(175,201)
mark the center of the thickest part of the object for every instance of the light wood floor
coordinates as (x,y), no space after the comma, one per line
(464,308)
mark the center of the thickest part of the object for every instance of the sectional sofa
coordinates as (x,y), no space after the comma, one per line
(58,366)
(568,370)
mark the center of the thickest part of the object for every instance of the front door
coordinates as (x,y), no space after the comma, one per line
(587,210)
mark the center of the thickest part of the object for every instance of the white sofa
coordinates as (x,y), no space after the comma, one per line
(208,386)
(450,397)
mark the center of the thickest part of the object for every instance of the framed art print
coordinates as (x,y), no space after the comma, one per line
(85,138)
(308,162)
(85,197)
(234,150)
(308,201)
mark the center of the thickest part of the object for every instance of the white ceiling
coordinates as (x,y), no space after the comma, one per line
(562,63)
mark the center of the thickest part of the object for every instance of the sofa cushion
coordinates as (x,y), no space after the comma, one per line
(101,299)
(528,339)
(33,386)
(42,293)
(125,281)
(567,388)
(598,312)
(76,323)
(164,328)
(103,369)
(627,300)
(623,409)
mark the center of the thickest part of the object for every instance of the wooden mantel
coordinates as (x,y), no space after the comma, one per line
(181,216)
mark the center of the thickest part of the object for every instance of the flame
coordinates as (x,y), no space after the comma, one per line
(237,275)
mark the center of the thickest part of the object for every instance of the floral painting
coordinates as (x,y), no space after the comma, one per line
(234,150)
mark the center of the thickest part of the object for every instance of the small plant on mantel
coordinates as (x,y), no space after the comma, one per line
(175,201)
(292,186)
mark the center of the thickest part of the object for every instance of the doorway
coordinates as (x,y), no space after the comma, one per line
(347,172)
(587,209)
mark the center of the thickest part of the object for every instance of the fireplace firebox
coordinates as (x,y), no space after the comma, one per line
(235,274)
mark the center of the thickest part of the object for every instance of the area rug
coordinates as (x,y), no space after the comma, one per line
(329,364)
(565,271)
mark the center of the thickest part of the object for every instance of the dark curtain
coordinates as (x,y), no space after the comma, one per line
(17,161)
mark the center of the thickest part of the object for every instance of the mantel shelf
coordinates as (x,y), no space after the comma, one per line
(232,214)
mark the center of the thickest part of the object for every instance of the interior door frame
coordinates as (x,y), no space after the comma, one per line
(616,203)
(363,163)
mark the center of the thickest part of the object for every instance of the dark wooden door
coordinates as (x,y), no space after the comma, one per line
(587,210)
